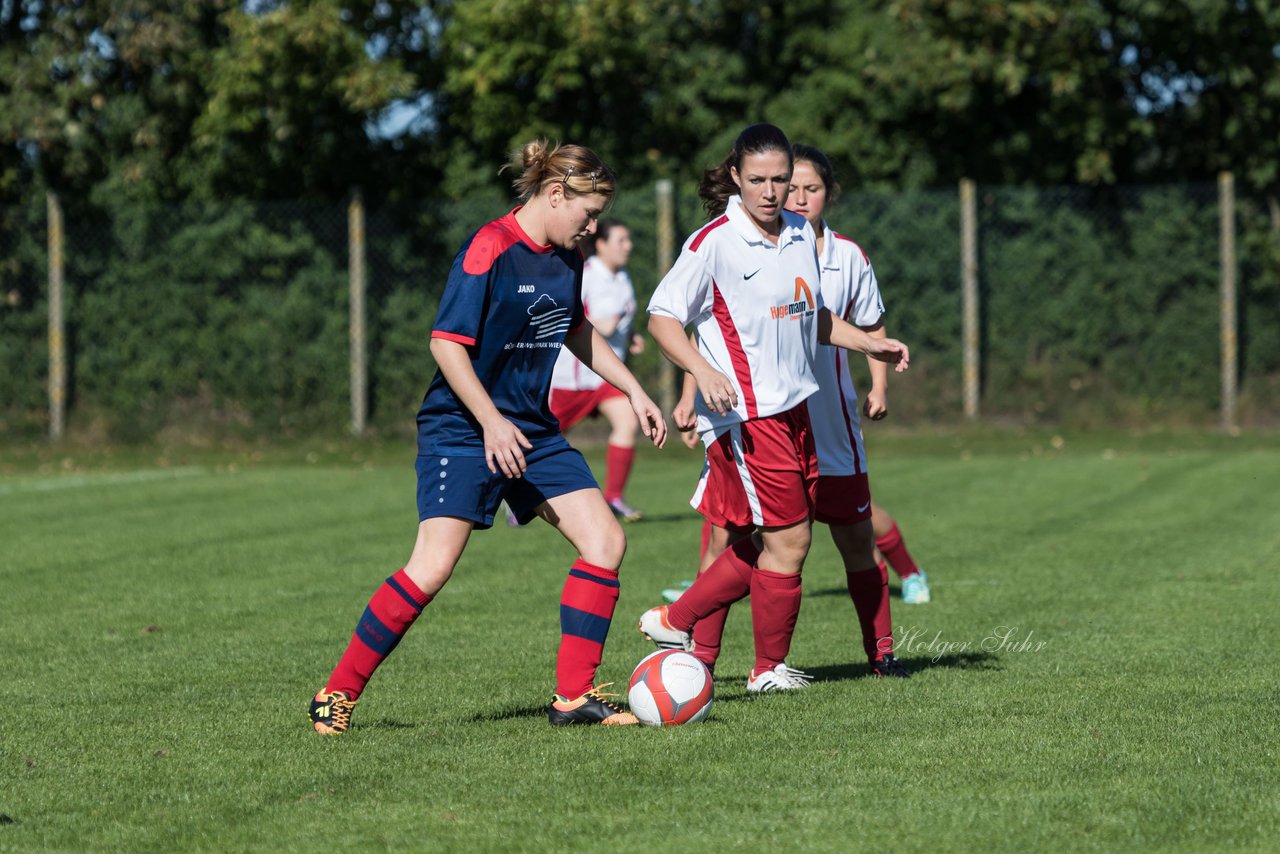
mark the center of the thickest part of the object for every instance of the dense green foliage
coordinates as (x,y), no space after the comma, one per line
(169,625)
(157,99)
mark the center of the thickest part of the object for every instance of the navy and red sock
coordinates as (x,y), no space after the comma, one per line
(586,609)
(392,610)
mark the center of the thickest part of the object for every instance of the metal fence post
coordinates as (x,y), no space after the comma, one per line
(57,321)
(356,275)
(666,230)
(969,277)
(1230,339)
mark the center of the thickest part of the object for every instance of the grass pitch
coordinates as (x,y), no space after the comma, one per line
(1097,669)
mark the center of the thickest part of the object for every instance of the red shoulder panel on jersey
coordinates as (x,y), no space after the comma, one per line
(707,229)
(490,242)
(855,246)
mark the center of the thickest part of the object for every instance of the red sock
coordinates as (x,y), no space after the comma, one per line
(389,614)
(617,468)
(708,631)
(586,609)
(727,580)
(892,547)
(869,590)
(775,605)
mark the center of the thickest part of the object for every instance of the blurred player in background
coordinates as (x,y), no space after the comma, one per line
(485,432)
(748,283)
(577,392)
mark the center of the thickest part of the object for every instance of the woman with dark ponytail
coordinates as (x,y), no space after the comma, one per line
(748,284)
(485,432)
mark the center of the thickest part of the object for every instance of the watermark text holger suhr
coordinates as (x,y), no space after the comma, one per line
(1001,639)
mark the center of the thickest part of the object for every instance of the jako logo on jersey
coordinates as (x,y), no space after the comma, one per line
(525,289)
(802,306)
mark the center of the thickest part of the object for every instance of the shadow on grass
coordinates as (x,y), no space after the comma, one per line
(509,714)
(979,660)
(650,518)
(387,723)
(894,592)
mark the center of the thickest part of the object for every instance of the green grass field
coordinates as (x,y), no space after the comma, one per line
(164,626)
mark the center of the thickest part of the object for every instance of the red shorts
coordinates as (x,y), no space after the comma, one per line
(843,499)
(760,473)
(570,407)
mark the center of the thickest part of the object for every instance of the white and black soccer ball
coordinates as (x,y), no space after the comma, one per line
(670,687)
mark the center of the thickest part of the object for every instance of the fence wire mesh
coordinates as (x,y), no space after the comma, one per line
(1096,305)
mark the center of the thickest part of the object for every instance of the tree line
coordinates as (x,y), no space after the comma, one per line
(162,100)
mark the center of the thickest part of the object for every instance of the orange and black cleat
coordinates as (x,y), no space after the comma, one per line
(331,712)
(590,708)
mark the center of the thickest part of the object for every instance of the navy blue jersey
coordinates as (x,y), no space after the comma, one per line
(511,302)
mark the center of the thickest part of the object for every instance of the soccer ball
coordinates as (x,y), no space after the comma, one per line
(670,687)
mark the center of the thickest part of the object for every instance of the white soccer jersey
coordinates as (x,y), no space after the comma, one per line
(850,290)
(754,306)
(605,293)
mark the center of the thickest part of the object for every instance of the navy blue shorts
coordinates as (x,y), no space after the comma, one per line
(463,486)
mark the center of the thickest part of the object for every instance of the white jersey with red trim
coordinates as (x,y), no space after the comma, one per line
(605,293)
(850,289)
(754,307)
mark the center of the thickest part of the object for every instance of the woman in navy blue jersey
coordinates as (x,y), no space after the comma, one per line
(486,433)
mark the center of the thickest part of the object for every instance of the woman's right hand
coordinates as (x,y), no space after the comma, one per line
(892,351)
(502,447)
(717,392)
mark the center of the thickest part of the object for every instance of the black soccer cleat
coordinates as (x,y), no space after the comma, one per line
(590,708)
(890,667)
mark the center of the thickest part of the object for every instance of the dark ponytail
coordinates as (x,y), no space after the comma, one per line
(717,183)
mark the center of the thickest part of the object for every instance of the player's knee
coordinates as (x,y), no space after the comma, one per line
(606,545)
(787,548)
(429,575)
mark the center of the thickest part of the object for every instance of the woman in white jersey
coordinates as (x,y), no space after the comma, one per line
(844,503)
(577,392)
(748,283)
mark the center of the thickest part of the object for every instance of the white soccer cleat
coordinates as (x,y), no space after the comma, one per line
(780,678)
(654,626)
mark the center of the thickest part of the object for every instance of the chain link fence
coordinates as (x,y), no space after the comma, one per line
(1094,305)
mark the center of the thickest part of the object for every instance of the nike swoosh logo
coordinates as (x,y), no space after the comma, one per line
(863,508)
(746,276)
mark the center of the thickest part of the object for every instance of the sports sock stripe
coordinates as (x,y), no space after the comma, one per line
(392,609)
(586,610)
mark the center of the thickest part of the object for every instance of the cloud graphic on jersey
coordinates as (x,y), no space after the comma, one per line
(541,304)
(548,318)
